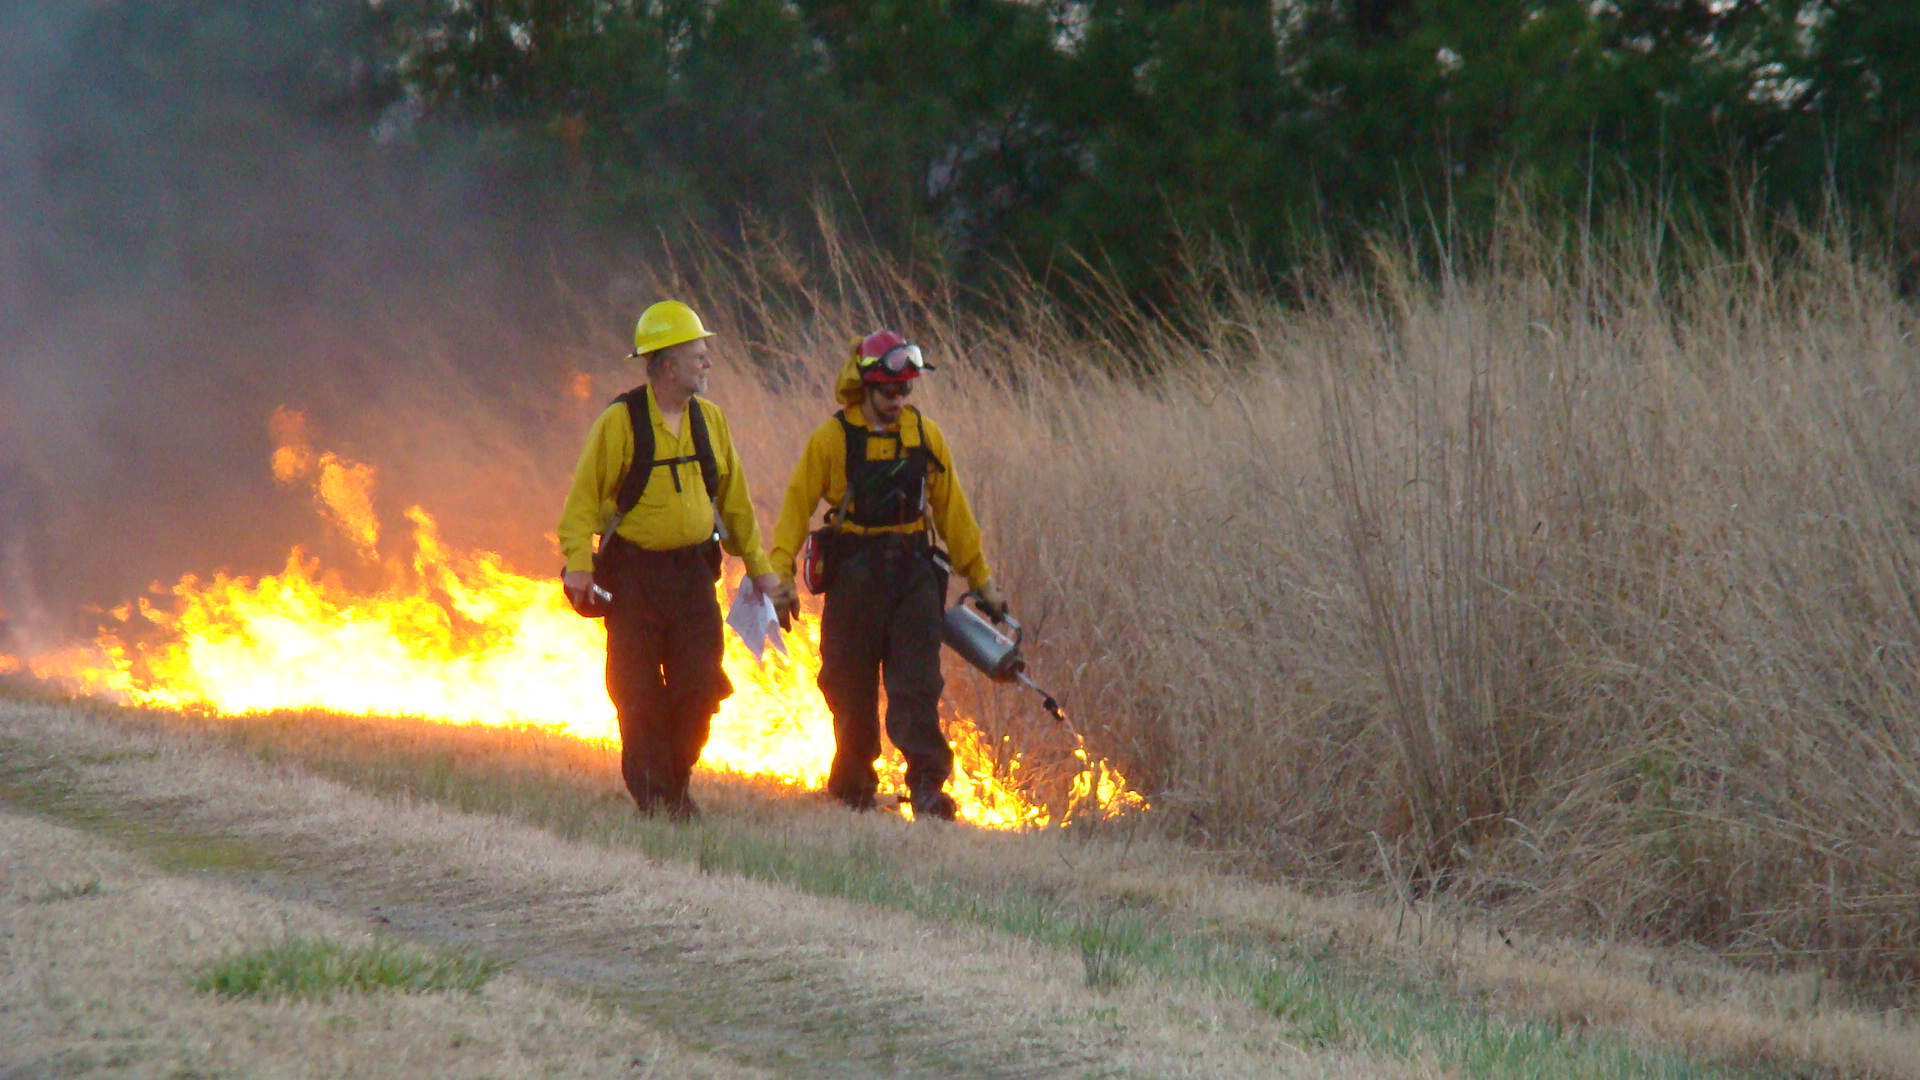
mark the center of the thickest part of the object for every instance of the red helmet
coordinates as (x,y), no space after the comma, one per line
(885,356)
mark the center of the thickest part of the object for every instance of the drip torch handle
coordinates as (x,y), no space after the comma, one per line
(994,609)
(998,618)
(980,605)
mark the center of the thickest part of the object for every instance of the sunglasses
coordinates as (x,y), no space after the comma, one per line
(896,359)
(891,390)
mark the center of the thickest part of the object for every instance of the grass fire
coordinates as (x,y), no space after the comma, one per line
(461,637)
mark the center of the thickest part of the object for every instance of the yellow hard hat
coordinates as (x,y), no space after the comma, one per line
(668,322)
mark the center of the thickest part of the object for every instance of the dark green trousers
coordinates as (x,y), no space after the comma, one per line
(881,625)
(664,651)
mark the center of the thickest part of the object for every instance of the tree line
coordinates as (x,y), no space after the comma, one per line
(1053,134)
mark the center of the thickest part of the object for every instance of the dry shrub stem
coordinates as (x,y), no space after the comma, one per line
(1579,581)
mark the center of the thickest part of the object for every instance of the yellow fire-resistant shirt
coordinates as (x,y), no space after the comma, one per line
(822,474)
(664,518)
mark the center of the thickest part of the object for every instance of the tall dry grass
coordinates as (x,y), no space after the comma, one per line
(1579,580)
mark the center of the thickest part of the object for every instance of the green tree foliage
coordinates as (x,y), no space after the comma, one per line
(1046,132)
(916,115)
(1853,79)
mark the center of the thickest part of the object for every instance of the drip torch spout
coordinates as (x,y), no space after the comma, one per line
(1048,701)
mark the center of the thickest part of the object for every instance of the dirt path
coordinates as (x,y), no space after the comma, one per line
(98,946)
(721,975)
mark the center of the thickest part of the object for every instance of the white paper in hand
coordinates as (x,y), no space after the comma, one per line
(751,616)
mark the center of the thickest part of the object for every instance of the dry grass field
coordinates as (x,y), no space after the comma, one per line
(1556,607)
(778,936)
(620,964)
(1574,582)
(139,854)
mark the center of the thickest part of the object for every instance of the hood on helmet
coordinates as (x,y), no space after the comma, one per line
(848,387)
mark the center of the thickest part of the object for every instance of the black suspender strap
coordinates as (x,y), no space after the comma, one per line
(874,487)
(635,482)
(702,449)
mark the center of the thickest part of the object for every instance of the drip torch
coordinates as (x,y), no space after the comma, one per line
(982,644)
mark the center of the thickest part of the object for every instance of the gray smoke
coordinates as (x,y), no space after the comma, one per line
(211,209)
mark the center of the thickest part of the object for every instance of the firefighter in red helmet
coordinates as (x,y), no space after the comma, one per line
(884,471)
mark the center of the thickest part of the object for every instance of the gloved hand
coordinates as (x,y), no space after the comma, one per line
(993,601)
(786,600)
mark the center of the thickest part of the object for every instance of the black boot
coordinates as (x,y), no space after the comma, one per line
(859,801)
(933,806)
(851,796)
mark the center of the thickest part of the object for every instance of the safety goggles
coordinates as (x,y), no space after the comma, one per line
(896,360)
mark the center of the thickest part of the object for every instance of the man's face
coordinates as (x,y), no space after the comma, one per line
(684,367)
(887,399)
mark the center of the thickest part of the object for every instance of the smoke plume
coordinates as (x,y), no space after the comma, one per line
(209,211)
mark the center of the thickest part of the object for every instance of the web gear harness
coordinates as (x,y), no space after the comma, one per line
(639,471)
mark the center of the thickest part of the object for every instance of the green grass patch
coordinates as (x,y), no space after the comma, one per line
(314,968)
(1101,957)
(186,852)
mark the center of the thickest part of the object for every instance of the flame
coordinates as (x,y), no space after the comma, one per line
(343,488)
(460,637)
(292,455)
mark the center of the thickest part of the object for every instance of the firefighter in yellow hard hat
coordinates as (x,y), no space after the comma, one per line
(660,482)
(886,474)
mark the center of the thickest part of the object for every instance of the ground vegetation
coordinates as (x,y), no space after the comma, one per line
(1574,580)
(775,936)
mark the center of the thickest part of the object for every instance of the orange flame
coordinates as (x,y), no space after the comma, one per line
(292,456)
(460,637)
(344,489)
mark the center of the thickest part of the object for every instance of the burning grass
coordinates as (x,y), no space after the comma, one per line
(461,637)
